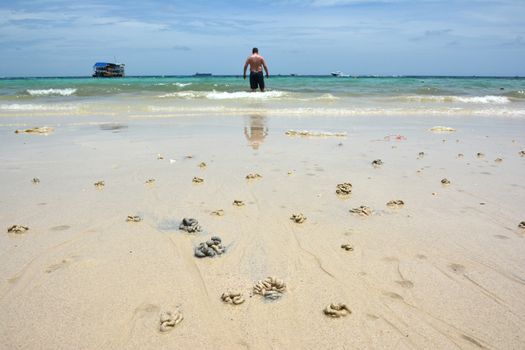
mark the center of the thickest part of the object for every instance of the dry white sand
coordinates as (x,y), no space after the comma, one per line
(445,271)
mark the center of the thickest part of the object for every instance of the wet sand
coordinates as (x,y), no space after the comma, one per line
(444,270)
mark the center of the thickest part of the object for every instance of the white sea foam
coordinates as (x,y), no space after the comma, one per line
(217,95)
(245,95)
(484,99)
(51,92)
(182,84)
(182,94)
(488,99)
(35,107)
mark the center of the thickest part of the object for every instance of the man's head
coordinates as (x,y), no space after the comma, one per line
(255,50)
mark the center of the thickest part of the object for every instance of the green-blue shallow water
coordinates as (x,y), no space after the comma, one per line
(285,95)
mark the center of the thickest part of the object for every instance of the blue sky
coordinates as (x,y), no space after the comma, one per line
(390,37)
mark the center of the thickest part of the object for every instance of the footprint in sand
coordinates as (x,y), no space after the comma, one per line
(337,310)
(501,237)
(35,181)
(522,225)
(393,295)
(202,165)
(445,181)
(219,212)
(457,268)
(405,284)
(150,181)
(60,265)
(60,228)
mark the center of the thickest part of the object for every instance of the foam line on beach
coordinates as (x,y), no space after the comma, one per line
(488,99)
(36,107)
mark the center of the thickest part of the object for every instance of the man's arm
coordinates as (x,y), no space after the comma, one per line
(245,67)
(265,68)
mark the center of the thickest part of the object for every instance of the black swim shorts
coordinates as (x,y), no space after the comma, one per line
(257,80)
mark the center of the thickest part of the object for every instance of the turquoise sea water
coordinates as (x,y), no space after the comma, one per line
(304,95)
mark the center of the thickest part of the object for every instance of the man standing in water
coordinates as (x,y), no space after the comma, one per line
(256,63)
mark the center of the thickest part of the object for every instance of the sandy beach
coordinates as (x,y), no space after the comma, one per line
(445,270)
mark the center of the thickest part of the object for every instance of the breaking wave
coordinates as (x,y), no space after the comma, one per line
(489,99)
(52,92)
(245,95)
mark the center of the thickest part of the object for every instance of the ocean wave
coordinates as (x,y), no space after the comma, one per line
(245,95)
(183,94)
(182,84)
(36,107)
(216,95)
(51,92)
(488,99)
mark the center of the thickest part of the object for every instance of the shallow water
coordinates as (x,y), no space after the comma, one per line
(303,95)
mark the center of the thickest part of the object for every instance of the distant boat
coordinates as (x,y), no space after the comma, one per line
(339,74)
(108,70)
(202,74)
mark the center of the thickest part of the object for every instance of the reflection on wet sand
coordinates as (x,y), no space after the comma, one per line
(256,131)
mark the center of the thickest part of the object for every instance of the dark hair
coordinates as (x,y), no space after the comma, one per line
(255,50)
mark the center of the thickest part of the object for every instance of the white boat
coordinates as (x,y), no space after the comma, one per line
(340,74)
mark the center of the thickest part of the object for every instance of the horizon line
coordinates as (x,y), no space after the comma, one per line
(271,75)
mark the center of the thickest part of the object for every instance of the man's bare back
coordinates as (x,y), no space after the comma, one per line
(256,63)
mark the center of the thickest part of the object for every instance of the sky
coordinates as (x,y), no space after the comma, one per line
(358,37)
